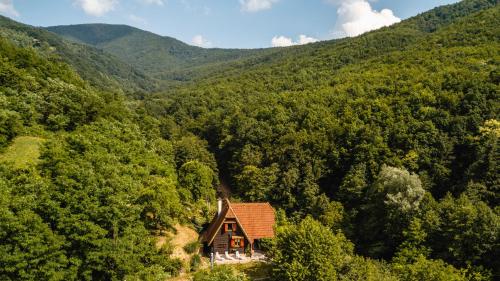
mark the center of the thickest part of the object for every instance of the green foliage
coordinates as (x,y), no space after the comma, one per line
(99,68)
(83,211)
(192,247)
(370,270)
(462,231)
(402,191)
(311,125)
(161,202)
(189,148)
(484,170)
(412,262)
(10,125)
(195,262)
(199,180)
(29,248)
(160,56)
(316,130)
(424,269)
(309,251)
(220,273)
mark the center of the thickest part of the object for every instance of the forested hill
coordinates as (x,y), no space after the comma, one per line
(318,128)
(326,57)
(161,56)
(99,68)
(379,153)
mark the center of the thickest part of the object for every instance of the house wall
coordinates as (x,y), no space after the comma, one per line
(221,242)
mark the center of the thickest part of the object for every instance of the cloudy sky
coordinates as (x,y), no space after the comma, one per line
(226,23)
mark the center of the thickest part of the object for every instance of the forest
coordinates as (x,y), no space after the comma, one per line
(379,153)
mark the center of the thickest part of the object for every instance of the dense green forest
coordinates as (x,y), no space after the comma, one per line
(161,57)
(379,153)
(99,68)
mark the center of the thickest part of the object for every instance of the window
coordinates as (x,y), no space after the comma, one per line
(228,227)
(237,242)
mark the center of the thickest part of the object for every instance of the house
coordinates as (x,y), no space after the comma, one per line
(239,226)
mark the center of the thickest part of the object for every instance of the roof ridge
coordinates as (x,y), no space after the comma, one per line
(238,221)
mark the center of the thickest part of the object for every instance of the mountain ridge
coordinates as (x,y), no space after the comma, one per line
(100,68)
(159,57)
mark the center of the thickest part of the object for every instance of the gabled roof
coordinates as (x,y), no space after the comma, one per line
(255,219)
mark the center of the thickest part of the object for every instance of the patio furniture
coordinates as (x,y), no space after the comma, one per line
(219,257)
(227,256)
(238,256)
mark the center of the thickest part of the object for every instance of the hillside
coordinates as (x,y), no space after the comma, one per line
(312,127)
(160,56)
(84,180)
(379,153)
(99,68)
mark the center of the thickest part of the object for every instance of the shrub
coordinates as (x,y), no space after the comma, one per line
(192,247)
(195,262)
(220,273)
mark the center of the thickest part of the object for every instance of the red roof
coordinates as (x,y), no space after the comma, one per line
(255,219)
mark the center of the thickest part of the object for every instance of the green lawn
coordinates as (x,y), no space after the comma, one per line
(23,151)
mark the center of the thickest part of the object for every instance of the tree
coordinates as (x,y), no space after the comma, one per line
(425,269)
(391,202)
(199,180)
(257,184)
(485,168)
(403,191)
(365,269)
(161,202)
(10,125)
(309,251)
(29,248)
(464,232)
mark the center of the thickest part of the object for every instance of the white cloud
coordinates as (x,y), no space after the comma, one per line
(256,5)
(96,7)
(306,40)
(282,41)
(156,2)
(7,8)
(200,41)
(356,17)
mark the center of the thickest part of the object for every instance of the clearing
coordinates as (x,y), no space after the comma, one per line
(179,238)
(23,151)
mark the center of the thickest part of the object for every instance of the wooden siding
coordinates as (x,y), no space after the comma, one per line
(221,242)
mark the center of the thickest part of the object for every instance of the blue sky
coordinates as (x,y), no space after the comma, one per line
(226,23)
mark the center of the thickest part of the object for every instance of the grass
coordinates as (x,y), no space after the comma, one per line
(23,151)
(256,271)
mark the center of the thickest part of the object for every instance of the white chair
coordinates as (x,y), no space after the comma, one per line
(238,256)
(218,257)
(227,256)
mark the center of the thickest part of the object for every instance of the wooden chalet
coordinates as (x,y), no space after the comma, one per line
(239,226)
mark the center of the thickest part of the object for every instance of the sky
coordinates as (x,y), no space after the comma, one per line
(227,23)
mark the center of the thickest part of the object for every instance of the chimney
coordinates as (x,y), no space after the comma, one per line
(219,206)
